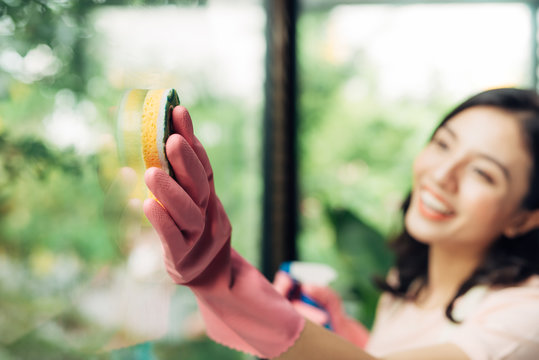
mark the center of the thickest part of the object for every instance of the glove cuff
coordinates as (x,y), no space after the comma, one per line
(247,314)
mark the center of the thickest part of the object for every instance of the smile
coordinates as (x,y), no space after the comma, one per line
(432,207)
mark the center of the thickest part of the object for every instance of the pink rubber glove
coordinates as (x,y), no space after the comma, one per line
(340,323)
(240,307)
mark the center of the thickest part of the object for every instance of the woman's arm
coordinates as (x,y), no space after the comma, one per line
(315,342)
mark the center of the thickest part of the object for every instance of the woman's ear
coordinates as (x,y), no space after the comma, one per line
(524,222)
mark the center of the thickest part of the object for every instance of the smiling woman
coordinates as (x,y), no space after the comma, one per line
(466,281)
(470,231)
(476,171)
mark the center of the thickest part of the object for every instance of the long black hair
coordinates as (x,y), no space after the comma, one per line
(507,261)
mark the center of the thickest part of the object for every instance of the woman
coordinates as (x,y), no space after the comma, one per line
(465,285)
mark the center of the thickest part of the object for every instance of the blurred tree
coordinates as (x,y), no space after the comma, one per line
(356,152)
(55,31)
(64,215)
(364,254)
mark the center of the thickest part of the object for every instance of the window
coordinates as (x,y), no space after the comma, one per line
(81,267)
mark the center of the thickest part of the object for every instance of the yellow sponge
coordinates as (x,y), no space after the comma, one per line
(144,125)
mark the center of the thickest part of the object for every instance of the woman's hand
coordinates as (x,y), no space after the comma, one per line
(239,306)
(328,299)
(189,217)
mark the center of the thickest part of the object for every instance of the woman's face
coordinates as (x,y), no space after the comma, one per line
(469,181)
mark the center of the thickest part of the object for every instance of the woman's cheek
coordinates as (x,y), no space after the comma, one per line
(421,163)
(483,207)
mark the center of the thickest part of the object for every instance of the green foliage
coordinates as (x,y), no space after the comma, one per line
(52,199)
(66,336)
(61,29)
(356,153)
(364,255)
(64,214)
(197,349)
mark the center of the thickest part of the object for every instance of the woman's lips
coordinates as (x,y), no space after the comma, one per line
(433,206)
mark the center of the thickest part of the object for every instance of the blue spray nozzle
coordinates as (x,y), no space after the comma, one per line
(285,266)
(296,293)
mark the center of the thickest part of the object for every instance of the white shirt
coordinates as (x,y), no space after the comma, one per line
(496,324)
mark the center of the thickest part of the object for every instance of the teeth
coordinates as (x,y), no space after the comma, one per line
(432,202)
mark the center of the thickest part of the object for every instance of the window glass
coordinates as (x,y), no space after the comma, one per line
(374,81)
(80,268)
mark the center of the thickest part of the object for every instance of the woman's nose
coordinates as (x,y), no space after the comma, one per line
(445,174)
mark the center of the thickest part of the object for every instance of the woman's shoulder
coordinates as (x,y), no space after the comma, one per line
(482,301)
(524,295)
(479,300)
(500,320)
(530,283)
(526,291)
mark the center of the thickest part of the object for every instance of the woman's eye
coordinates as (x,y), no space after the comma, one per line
(441,143)
(484,175)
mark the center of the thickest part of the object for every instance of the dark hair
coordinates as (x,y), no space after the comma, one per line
(507,262)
